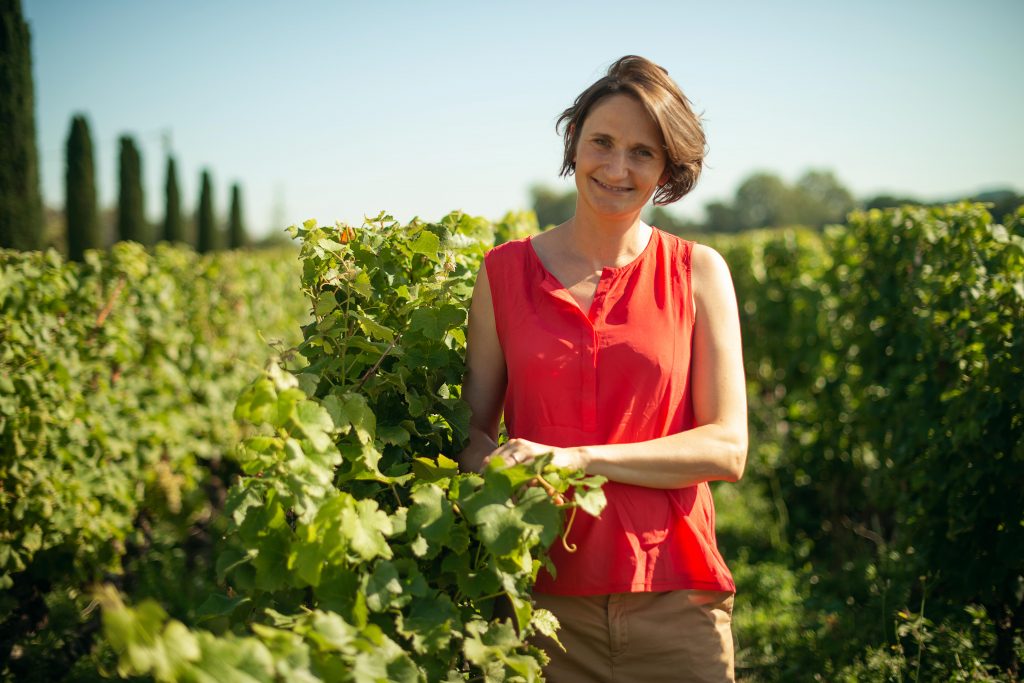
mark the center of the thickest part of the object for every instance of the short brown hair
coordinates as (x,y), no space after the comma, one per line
(651,85)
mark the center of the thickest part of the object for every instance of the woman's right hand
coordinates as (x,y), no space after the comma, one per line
(474,457)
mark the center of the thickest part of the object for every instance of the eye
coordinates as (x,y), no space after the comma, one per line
(645,153)
(602,142)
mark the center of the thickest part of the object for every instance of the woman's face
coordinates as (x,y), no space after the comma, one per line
(620,158)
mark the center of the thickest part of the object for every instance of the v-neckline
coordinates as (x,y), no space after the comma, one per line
(562,291)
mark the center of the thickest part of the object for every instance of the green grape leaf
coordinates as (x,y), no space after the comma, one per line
(426,243)
(430,515)
(544,622)
(220,605)
(332,631)
(307,560)
(315,423)
(271,561)
(257,403)
(351,411)
(502,528)
(430,623)
(541,514)
(435,323)
(383,587)
(590,499)
(393,434)
(438,471)
(339,591)
(365,526)
(325,303)
(287,401)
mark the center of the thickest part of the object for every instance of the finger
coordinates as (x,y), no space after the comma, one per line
(507,457)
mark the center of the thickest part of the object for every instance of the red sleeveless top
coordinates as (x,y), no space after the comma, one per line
(619,373)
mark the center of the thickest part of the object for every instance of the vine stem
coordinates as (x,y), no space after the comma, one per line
(373,369)
(344,347)
(102,317)
(492,596)
(569,547)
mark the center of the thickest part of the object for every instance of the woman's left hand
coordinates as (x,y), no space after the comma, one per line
(516,451)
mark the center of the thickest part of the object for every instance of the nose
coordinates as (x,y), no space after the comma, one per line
(617,165)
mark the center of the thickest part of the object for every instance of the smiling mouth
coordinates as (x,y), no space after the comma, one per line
(612,188)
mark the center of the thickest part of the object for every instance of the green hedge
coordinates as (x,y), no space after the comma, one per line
(885,361)
(117,380)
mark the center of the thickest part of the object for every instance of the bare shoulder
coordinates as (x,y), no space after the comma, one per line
(481,303)
(481,279)
(710,273)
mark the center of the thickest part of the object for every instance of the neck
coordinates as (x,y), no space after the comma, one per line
(608,242)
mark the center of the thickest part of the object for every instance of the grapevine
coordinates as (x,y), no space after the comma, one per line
(353,541)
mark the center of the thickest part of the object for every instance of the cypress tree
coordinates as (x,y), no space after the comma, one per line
(236,231)
(131,215)
(174,228)
(21,205)
(207,228)
(80,192)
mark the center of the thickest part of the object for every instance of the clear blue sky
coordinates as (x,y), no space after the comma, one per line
(335,110)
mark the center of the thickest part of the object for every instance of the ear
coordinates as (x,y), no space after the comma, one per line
(665,175)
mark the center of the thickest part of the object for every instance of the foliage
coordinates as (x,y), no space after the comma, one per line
(821,199)
(116,378)
(236,231)
(131,219)
(174,226)
(667,220)
(21,206)
(764,200)
(552,206)
(924,651)
(80,192)
(1002,203)
(874,538)
(885,369)
(930,357)
(355,550)
(208,236)
(515,225)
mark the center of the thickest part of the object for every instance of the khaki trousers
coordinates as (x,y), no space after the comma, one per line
(682,635)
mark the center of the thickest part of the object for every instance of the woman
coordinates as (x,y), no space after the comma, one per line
(617,347)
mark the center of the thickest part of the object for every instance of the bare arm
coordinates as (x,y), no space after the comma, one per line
(483,387)
(717,447)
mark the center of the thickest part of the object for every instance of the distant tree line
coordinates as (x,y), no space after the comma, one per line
(1003,202)
(764,199)
(23,222)
(84,229)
